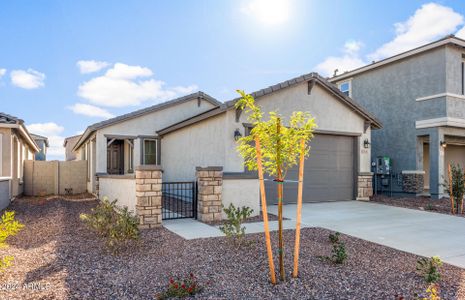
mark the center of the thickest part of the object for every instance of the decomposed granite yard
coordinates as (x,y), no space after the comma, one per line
(57,257)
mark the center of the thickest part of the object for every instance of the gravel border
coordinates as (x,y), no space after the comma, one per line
(441,206)
(58,253)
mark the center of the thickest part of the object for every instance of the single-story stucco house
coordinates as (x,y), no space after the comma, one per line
(419,96)
(116,146)
(339,166)
(16,146)
(43,144)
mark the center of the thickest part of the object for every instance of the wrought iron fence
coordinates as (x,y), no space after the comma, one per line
(179,200)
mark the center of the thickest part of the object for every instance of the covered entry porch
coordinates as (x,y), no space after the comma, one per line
(438,147)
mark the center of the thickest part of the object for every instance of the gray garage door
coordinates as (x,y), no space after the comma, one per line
(328,174)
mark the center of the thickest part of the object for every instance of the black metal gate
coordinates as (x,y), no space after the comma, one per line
(179,200)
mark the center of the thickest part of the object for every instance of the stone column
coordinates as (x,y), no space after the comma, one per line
(365,186)
(210,183)
(148,195)
(413,181)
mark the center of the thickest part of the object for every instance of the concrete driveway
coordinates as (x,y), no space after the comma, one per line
(414,231)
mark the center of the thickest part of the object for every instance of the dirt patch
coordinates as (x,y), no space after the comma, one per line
(57,257)
(421,203)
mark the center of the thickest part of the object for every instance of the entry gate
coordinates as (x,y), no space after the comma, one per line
(179,200)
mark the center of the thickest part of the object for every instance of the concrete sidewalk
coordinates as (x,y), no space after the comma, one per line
(414,231)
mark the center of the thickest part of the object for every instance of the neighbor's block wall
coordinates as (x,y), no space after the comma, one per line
(53,177)
(149,195)
(210,183)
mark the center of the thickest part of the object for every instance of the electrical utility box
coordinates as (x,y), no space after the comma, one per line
(383,165)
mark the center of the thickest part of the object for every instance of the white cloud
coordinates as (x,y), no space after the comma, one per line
(270,12)
(122,86)
(461,33)
(348,61)
(90,110)
(2,72)
(53,132)
(29,79)
(91,66)
(123,71)
(430,22)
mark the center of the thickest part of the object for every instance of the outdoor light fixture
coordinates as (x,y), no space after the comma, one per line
(443,144)
(237,134)
(366,143)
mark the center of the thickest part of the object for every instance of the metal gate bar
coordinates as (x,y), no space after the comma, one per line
(179,200)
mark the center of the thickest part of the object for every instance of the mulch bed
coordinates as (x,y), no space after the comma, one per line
(421,203)
(58,254)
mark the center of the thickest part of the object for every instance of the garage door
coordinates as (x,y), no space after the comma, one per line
(328,174)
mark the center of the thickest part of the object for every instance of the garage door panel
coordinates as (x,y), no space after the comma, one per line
(328,173)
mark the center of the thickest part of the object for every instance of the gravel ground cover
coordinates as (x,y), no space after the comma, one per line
(421,203)
(57,257)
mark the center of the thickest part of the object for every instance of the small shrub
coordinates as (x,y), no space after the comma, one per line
(429,206)
(458,186)
(8,227)
(334,238)
(232,227)
(181,288)
(433,292)
(338,253)
(429,269)
(117,225)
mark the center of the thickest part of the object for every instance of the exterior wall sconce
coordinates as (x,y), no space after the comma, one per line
(443,144)
(366,143)
(237,134)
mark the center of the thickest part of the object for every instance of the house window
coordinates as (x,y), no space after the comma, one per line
(150,152)
(346,88)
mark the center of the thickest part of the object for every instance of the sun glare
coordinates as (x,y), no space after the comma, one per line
(269,12)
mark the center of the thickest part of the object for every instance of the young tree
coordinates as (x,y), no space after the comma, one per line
(456,188)
(278,151)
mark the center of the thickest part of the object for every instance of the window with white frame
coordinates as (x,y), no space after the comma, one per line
(346,87)
(150,152)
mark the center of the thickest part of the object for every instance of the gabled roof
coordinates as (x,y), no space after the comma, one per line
(310,77)
(70,138)
(144,111)
(37,137)
(9,119)
(14,122)
(448,40)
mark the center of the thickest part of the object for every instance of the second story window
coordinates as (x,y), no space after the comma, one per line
(346,88)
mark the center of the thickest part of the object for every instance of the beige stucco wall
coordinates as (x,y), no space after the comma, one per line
(241,192)
(211,142)
(119,188)
(146,125)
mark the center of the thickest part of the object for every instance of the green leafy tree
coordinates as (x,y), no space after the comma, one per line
(455,187)
(279,150)
(9,226)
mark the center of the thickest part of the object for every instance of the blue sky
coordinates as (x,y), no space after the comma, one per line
(67,64)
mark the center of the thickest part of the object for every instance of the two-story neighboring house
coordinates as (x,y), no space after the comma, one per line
(419,97)
(42,142)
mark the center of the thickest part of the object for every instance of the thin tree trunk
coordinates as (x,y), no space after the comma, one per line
(279,181)
(264,211)
(452,205)
(295,273)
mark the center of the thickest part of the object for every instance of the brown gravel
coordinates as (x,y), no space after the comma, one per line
(56,252)
(421,203)
(254,219)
